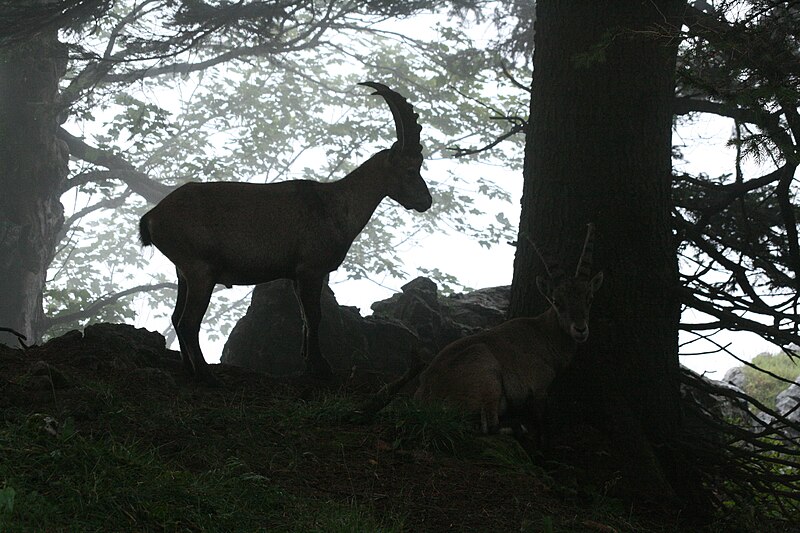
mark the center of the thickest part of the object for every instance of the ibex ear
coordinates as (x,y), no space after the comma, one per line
(544,286)
(597,280)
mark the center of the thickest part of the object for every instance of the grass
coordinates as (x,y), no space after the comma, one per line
(159,463)
(430,427)
(109,451)
(62,479)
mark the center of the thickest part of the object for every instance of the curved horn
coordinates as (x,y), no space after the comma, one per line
(584,269)
(405,119)
(553,269)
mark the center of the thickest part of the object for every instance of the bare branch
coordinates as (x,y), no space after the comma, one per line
(683,105)
(20,337)
(518,84)
(734,322)
(138,181)
(519,126)
(92,309)
(107,203)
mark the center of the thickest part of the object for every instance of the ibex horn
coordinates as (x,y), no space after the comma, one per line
(405,119)
(552,268)
(584,269)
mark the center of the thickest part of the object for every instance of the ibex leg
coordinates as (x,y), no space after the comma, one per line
(199,286)
(180,303)
(309,290)
(303,322)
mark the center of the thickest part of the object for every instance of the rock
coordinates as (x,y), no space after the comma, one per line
(132,346)
(269,337)
(102,342)
(720,405)
(439,321)
(736,377)
(481,308)
(786,402)
(418,307)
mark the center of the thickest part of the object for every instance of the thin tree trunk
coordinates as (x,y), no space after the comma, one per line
(599,151)
(33,166)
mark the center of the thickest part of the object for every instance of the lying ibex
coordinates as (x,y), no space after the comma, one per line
(509,364)
(243,233)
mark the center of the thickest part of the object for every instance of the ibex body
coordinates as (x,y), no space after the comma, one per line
(510,364)
(244,234)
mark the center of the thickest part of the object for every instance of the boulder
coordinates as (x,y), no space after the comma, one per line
(418,307)
(735,376)
(438,321)
(722,406)
(269,337)
(479,309)
(786,402)
(120,344)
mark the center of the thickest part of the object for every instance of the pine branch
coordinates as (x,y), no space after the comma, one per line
(739,463)
(21,21)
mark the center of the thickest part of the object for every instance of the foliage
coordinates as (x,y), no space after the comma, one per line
(764,387)
(268,112)
(758,457)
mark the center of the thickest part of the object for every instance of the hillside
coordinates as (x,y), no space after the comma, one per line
(102,432)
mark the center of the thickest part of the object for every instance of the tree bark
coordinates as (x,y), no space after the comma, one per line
(33,167)
(599,150)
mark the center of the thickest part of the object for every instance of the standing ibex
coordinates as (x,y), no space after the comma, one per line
(506,365)
(243,233)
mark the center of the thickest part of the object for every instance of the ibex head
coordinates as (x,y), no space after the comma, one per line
(571,297)
(403,161)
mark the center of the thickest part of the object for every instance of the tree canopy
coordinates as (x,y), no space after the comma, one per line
(159,93)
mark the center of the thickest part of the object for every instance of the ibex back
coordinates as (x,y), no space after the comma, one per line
(243,234)
(505,366)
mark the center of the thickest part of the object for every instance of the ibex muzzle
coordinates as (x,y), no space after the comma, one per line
(244,233)
(505,366)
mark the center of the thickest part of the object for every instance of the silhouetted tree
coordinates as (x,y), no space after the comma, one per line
(599,150)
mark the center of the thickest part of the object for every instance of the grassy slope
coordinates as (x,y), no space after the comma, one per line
(94,443)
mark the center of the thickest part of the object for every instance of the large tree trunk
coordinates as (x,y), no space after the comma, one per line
(599,151)
(33,167)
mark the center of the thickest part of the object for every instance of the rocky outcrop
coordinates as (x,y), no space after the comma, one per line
(438,321)
(786,403)
(720,404)
(268,338)
(121,345)
(735,376)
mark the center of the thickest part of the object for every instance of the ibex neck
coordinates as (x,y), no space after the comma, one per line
(560,342)
(359,194)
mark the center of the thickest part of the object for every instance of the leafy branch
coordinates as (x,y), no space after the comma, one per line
(118,168)
(95,307)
